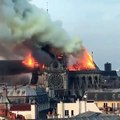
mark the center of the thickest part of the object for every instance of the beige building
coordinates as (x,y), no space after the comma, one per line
(107,101)
(65,110)
(112,104)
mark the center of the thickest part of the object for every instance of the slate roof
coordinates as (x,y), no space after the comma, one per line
(84,72)
(95,116)
(102,95)
(109,73)
(27,91)
(92,116)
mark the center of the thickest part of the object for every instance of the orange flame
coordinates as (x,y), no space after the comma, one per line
(83,63)
(30,61)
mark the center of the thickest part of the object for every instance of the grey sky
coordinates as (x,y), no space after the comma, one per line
(96,22)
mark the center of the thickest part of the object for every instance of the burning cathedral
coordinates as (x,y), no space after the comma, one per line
(72,79)
(65,75)
(31,42)
(58,63)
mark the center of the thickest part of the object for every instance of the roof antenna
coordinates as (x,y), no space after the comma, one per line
(47,6)
(92,54)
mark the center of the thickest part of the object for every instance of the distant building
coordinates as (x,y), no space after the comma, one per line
(107,67)
(109,77)
(64,84)
(107,100)
(30,101)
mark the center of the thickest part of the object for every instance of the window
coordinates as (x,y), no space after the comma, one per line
(118,95)
(66,112)
(113,96)
(90,78)
(105,105)
(83,78)
(118,105)
(96,78)
(113,106)
(23,92)
(72,112)
(18,92)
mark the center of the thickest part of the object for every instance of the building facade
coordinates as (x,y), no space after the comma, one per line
(107,101)
(66,110)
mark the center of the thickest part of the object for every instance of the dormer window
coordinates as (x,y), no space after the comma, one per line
(23,92)
(113,96)
(11,93)
(118,95)
(18,92)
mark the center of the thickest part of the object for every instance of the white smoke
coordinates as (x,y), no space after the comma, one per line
(2,58)
(75,58)
(20,21)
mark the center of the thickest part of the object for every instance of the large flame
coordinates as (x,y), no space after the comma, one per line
(84,62)
(30,61)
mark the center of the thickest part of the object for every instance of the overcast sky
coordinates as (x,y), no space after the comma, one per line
(95,22)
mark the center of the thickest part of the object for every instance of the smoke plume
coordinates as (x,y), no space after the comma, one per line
(21,21)
(16,79)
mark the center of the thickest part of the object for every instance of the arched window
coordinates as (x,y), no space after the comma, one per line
(77,78)
(90,82)
(90,78)
(96,78)
(96,82)
(83,78)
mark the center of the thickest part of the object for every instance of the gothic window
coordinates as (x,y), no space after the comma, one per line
(90,78)
(77,78)
(90,82)
(55,81)
(55,65)
(96,78)
(83,78)
(96,82)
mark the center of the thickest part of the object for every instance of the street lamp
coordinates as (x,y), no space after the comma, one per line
(85,99)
